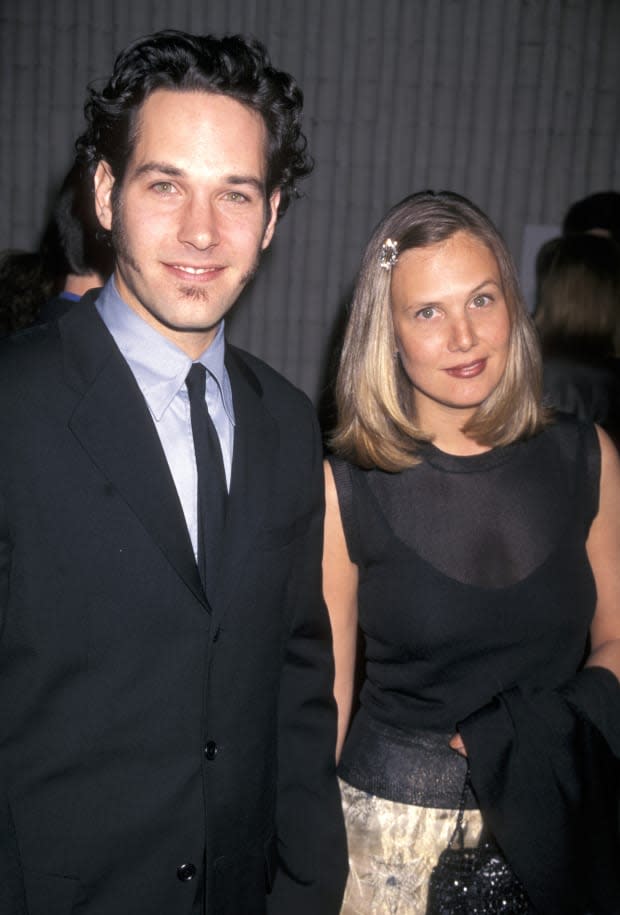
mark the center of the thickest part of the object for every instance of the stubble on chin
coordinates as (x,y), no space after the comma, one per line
(201,294)
(195,293)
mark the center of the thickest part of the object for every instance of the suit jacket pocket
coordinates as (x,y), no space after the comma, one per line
(47,888)
(242,883)
(271,861)
(49,894)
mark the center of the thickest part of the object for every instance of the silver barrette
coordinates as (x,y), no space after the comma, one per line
(389,253)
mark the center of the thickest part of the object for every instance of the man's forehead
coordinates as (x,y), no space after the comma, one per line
(174,117)
(200,101)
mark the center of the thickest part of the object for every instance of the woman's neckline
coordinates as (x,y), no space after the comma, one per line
(466,463)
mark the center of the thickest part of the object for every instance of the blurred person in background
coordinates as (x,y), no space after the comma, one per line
(598,213)
(578,318)
(73,257)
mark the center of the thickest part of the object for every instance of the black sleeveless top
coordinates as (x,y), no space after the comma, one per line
(473,573)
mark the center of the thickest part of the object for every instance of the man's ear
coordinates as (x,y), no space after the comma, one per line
(273,203)
(104,182)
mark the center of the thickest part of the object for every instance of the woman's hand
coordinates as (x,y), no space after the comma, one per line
(457,744)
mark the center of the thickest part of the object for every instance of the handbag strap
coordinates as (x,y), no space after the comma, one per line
(458,835)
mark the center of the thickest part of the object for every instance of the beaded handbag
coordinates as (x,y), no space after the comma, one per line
(474,881)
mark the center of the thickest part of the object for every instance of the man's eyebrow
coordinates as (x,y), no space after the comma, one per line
(172,171)
(246,179)
(163,168)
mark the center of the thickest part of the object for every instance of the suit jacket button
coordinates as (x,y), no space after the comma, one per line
(186,872)
(211,750)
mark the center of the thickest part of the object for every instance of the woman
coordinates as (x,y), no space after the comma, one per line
(475,541)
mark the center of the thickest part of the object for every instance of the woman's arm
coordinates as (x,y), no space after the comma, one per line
(603,547)
(340,577)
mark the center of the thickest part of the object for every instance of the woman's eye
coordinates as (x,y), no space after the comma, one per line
(425,313)
(481,300)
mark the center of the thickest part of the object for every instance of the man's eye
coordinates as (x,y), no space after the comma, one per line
(236,197)
(163,187)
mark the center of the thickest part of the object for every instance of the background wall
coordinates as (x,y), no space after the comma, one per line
(515,103)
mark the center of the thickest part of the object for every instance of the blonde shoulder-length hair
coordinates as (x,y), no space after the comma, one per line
(376,424)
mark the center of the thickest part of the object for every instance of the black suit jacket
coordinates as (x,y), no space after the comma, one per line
(147,734)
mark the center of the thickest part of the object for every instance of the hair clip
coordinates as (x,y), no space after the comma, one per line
(389,254)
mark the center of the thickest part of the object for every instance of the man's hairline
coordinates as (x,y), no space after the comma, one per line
(134,129)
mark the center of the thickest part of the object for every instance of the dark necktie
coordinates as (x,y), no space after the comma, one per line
(211,478)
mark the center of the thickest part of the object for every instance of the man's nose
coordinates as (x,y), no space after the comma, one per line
(199,224)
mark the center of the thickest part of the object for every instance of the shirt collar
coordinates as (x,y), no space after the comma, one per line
(159,366)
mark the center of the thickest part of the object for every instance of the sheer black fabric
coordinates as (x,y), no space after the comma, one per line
(473,573)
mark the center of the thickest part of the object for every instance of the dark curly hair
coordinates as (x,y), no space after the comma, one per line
(232,65)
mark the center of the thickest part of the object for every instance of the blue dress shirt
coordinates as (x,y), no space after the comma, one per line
(160,369)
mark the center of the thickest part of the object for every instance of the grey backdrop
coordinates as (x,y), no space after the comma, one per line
(514,103)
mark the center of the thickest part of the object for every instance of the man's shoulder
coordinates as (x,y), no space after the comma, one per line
(29,350)
(274,388)
(31,376)
(43,353)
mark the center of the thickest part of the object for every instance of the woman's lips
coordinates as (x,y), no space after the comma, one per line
(468,371)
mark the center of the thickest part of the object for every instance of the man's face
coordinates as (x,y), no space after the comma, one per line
(191,218)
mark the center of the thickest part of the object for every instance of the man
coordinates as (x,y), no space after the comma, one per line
(167,732)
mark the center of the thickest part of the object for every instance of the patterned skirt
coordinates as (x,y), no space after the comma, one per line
(400,795)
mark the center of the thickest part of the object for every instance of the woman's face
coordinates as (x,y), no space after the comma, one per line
(452,327)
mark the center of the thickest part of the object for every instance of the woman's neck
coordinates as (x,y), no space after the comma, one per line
(446,429)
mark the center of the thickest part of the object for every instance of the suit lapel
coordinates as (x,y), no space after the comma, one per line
(256,440)
(114,427)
